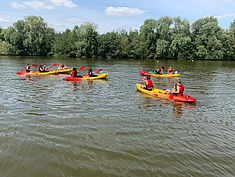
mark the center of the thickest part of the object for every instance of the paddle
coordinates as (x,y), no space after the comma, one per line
(81,68)
(34,65)
(98,70)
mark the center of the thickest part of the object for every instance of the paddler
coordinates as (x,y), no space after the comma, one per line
(27,68)
(90,73)
(159,70)
(62,66)
(43,68)
(170,70)
(178,89)
(74,73)
(148,83)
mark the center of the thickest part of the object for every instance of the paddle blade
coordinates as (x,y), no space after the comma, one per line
(98,70)
(34,65)
(81,68)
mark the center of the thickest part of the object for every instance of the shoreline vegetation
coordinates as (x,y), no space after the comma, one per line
(168,38)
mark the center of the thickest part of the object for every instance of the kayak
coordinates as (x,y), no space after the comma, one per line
(24,73)
(64,71)
(57,71)
(162,94)
(99,76)
(143,73)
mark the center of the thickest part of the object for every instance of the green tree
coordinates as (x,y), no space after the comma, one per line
(87,43)
(149,37)
(109,45)
(6,48)
(30,36)
(181,43)
(206,35)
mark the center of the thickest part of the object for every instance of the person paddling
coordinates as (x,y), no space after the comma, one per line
(159,70)
(27,68)
(178,89)
(148,83)
(90,73)
(62,66)
(74,73)
(170,70)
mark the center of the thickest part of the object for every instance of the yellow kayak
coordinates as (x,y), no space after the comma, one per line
(99,76)
(32,73)
(64,71)
(162,94)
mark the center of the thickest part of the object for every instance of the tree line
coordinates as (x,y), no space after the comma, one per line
(167,38)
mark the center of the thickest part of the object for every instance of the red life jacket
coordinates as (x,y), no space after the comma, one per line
(73,74)
(181,89)
(170,70)
(150,84)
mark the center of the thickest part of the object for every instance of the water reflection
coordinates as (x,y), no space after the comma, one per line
(90,83)
(177,110)
(74,86)
(177,107)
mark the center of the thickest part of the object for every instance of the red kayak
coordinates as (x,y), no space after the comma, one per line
(183,98)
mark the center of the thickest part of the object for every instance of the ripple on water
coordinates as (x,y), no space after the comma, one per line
(49,127)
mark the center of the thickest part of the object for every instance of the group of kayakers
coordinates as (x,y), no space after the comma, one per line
(74,72)
(43,68)
(160,70)
(178,88)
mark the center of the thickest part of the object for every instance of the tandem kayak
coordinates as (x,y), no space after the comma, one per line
(161,94)
(31,73)
(143,73)
(99,76)
(54,72)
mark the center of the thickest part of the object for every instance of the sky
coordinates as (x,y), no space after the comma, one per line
(111,15)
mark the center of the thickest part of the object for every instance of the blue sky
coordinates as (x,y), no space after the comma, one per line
(111,15)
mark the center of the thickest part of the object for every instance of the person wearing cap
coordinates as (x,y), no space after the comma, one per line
(148,83)
(178,89)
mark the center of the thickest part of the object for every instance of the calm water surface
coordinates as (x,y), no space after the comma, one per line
(105,128)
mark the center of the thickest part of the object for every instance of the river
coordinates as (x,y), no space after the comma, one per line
(105,128)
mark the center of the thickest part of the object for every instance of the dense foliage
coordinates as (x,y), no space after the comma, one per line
(163,38)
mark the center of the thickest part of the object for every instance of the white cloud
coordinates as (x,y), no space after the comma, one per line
(123,11)
(225,15)
(39,4)
(16,5)
(4,20)
(66,3)
(36,5)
